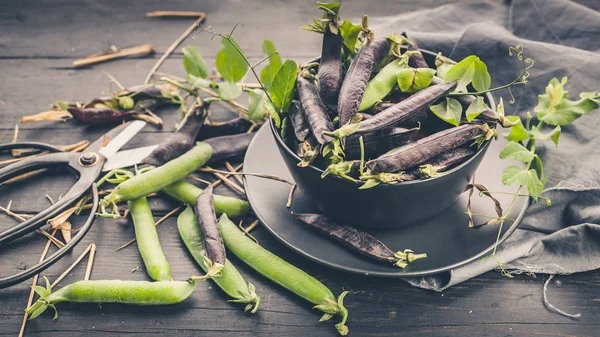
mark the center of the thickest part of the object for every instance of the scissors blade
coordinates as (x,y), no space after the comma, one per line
(115,143)
(127,158)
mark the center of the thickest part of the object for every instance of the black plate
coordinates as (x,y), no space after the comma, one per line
(446,237)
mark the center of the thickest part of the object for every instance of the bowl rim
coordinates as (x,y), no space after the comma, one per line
(479,151)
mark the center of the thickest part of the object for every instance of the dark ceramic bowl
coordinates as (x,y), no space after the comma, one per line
(383,206)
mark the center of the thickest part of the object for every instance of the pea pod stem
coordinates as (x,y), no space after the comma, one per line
(230,280)
(283,273)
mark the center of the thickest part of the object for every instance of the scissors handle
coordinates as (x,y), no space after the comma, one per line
(43,265)
(87,175)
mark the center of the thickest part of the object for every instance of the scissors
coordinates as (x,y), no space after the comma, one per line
(97,158)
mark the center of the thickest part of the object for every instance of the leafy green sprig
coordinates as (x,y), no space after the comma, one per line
(473,71)
(276,81)
(553,109)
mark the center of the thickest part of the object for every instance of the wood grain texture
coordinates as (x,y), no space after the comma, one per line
(40,40)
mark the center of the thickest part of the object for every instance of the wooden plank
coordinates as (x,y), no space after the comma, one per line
(38,44)
(31,86)
(77,29)
(489,304)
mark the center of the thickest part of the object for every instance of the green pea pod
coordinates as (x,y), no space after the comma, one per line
(160,177)
(147,240)
(230,279)
(286,275)
(414,79)
(381,85)
(187,193)
(113,291)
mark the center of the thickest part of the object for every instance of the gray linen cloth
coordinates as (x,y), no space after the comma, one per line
(563,38)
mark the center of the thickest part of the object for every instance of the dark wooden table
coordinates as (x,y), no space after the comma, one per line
(40,40)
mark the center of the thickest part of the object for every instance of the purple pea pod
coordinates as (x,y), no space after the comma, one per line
(427,148)
(180,142)
(209,230)
(314,110)
(358,241)
(357,77)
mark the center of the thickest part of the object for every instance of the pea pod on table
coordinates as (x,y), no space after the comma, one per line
(147,240)
(179,142)
(286,275)
(233,126)
(230,280)
(113,291)
(187,193)
(209,230)
(227,147)
(160,177)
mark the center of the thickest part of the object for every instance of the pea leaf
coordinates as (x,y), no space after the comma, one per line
(534,184)
(199,82)
(41,291)
(481,76)
(555,109)
(285,126)
(257,110)
(332,7)
(274,114)
(449,111)
(405,78)
(38,311)
(229,91)
(516,151)
(552,135)
(540,168)
(423,77)
(414,79)
(62,105)
(282,88)
(476,108)
(443,64)
(350,33)
(514,174)
(518,132)
(268,72)
(231,64)
(462,72)
(193,62)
